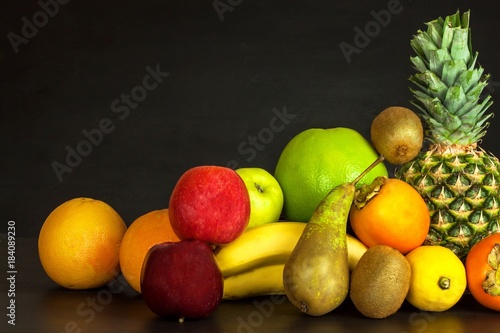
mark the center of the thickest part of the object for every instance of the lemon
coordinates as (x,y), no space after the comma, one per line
(79,243)
(438,278)
(315,161)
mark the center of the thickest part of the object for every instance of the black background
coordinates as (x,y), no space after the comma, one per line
(227,79)
(226,76)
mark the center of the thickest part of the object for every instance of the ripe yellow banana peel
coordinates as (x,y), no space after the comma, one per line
(265,280)
(253,264)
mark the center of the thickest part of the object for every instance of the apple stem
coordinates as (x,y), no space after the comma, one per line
(258,187)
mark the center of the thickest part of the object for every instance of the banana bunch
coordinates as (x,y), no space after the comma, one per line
(253,264)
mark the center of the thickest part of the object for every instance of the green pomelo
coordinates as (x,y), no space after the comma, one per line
(315,161)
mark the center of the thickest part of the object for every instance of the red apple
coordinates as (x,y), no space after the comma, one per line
(181,280)
(210,203)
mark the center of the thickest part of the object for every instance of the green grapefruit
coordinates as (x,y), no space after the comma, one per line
(315,161)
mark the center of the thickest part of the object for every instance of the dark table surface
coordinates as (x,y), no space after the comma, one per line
(42,306)
(222,71)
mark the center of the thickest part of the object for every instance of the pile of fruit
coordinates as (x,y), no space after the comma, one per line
(330,223)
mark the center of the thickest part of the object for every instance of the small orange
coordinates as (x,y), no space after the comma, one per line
(396,216)
(147,230)
(79,243)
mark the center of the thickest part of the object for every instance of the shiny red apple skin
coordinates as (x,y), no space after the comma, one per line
(209,203)
(181,280)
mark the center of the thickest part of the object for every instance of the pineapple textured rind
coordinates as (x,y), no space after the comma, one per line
(462,194)
(459,181)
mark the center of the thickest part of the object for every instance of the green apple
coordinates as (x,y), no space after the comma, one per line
(266,196)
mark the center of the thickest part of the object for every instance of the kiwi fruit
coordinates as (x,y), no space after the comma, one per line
(398,134)
(380,282)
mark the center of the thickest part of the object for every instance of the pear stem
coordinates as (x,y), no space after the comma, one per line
(370,167)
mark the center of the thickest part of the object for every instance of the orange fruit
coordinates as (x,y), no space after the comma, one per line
(315,161)
(396,216)
(79,243)
(147,230)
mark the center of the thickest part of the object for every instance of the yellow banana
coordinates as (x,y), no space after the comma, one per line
(268,280)
(355,249)
(265,280)
(270,244)
(263,245)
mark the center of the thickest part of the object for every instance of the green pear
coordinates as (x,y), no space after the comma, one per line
(316,275)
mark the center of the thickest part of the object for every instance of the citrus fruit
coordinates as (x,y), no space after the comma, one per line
(396,216)
(147,230)
(315,161)
(79,243)
(438,278)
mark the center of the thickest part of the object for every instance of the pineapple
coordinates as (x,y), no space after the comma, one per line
(459,181)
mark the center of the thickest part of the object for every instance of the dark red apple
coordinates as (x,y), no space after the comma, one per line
(181,280)
(210,203)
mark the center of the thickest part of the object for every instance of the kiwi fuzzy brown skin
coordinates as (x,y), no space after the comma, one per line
(380,282)
(398,134)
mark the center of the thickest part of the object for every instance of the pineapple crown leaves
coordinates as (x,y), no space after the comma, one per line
(449,83)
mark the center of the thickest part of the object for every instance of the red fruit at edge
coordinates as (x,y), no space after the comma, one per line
(181,280)
(209,203)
